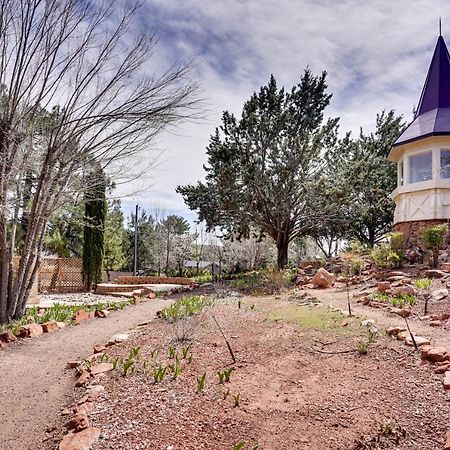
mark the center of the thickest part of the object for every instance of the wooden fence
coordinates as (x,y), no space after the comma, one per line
(60,275)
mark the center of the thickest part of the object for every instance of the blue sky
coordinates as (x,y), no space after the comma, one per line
(376,54)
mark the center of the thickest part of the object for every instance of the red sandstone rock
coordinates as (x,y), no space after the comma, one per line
(50,326)
(81,316)
(101,313)
(7,336)
(72,364)
(393,331)
(323,279)
(83,378)
(402,312)
(78,422)
(31,330)
(434,273)
(101,368)
(82,440)
(434,354)
(383,286)
(99,348)
(403,290)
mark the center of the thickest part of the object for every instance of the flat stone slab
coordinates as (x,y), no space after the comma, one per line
(419,341)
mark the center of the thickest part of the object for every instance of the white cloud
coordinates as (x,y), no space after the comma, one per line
(376,55)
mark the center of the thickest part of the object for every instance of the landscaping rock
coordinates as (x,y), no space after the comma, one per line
(394,331)
(31,330)
(323,279)
(82,440)
(419,341)
(83,378)
(78,422)
(434,354)
(439,294)
(402,312)
(101,368)
(434,273)
(446,380)
(442,369)
(99,348)
(92,394)
(82,316)
(72,364)
(402,335)
(435,323)
(384,286)
(117,339)
(101,313)
(50,326)
(7,336)
(403,290)
(84,408)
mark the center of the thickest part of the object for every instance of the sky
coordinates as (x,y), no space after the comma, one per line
(376,54)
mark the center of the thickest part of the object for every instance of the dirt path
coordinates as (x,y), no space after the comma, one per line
(336,299)
(35,385)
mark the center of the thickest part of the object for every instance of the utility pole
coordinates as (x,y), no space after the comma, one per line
(136,241)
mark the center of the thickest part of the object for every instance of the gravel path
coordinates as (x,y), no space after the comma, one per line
(34,384)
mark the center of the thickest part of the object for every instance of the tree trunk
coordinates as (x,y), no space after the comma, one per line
(282,250)
(435,260)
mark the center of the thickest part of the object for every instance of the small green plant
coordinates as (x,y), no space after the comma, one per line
(226,393)
(176,370)
(363,347)
(433,239)
(384,257)
(154,355)
(159,373)
(172,352)
(236,400)
(239,445)
(145,365)
(185,351)
(185,307)
(134,352)
(224,377)
(116,361)
(424,284)
(189,358)
(201,381)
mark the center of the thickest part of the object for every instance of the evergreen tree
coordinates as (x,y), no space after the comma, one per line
(95,208)
(261,168)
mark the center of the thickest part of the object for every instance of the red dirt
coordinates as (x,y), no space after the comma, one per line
(292,396)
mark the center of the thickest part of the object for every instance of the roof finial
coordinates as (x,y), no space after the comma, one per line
(440,27)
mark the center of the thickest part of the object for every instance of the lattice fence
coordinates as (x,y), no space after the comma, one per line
(60,275)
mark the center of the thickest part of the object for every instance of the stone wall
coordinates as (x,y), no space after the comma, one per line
(411,230)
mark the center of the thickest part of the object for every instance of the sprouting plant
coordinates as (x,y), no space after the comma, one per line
(145,367)
(176,370)
(372,336)
(226,393)
(224,377)
(154,355)
(104,357)
(201,381)
(185,351)
(87,364)
(221,377)
(239,445)
(236,399)
(134,352)
(363,347)
(172,352)
(385,426)
(127,365)
(116,361)
(424,284)
(189,358)
(159,373)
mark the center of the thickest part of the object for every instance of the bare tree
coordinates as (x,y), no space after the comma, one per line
(74,90)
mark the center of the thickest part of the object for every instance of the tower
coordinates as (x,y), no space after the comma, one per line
(422,154)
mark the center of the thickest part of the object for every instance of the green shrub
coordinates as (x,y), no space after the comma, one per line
(384,257)
(185,307)
(433,239)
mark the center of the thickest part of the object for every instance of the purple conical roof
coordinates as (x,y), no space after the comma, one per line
(433,113)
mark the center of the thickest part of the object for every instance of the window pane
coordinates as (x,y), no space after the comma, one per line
(445,163)
(420,167)
(400,173)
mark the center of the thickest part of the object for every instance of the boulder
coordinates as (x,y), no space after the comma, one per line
(439,294)
(31,330)
(323,279)
(434,273)
(48,327)
(78,422)
(101,368)
(82,316)
(406,289)
(82,440)
(7,336)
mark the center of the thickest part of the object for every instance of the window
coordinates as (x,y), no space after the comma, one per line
(420,167)
(400,173)
(445,163)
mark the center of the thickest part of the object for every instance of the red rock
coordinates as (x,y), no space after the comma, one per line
(418,339)
(72,364)
(434,273)
(78,422)
(435,323)
(7,336)
(434,354)
(82,440)
(81,316)
(101,313)
(101,368)
(446,380)
(99,348)
(383,286)
(83,378)
(393,331)
(402,312)
(84,408)
(323,279)
(403,290)
(31,330)
(442,369)
(402,335)
(444,316)
(50,326)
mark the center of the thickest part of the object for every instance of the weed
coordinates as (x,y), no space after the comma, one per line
(145,365)
(224,377)
(134,352)
(226,393)
(128,365)
(176,370)
(154,355)
(185,351)
(201,381)
(189,358)
(239,445)
(363,347)
(236,400)
(172,352)
(116,361)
